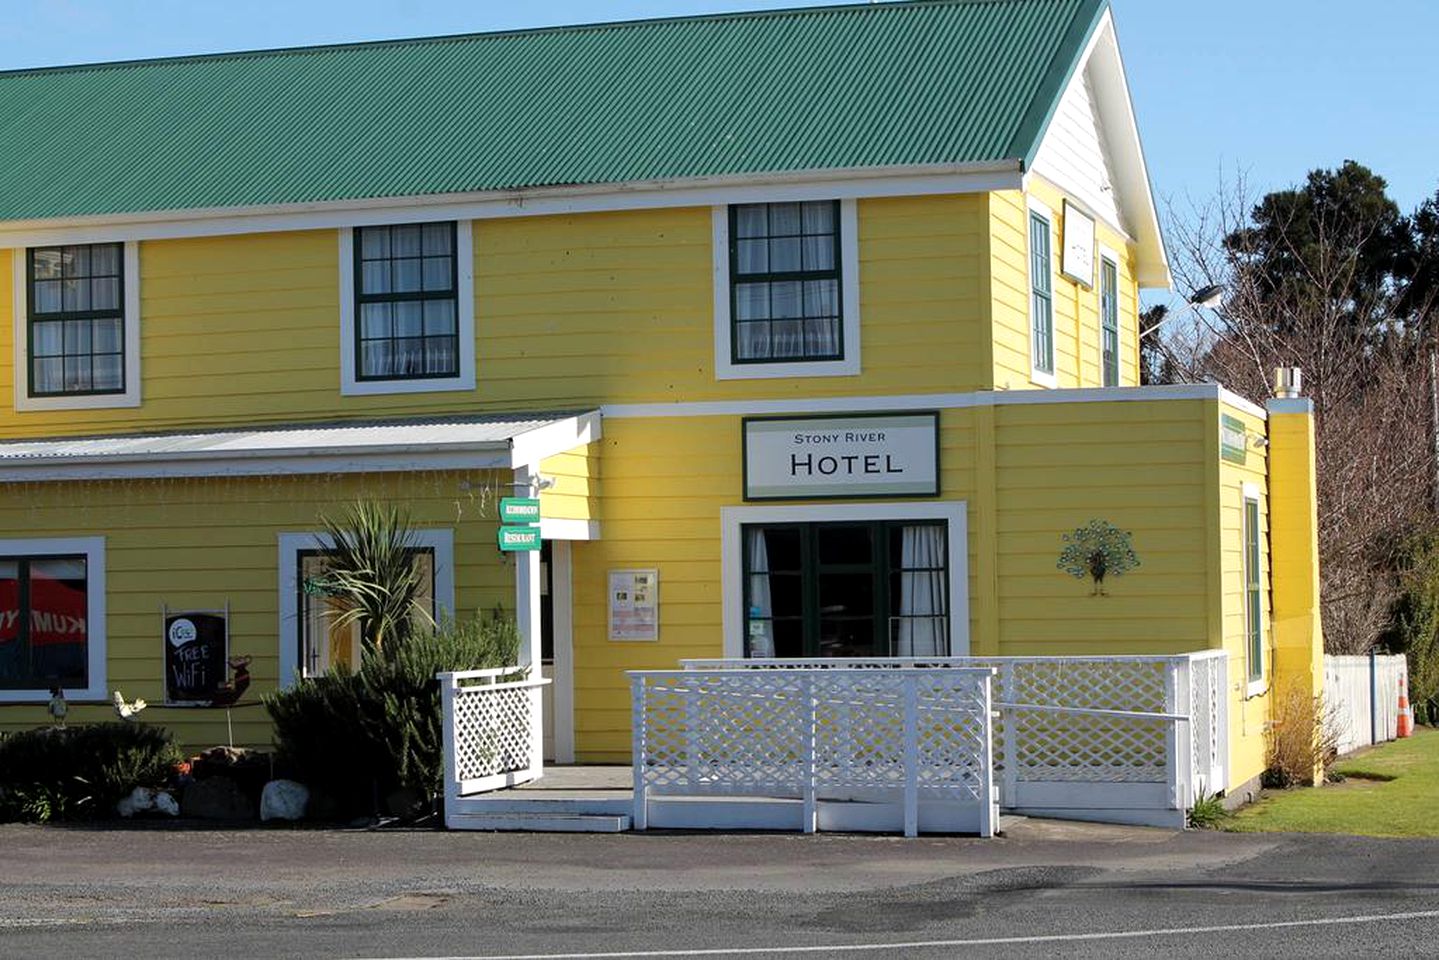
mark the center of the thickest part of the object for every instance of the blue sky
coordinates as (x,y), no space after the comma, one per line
(1270,88)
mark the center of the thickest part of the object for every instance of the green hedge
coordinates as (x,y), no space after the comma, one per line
(358,736)
(79,772)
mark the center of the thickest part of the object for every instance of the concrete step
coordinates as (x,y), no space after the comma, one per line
(539,822)
(537,801)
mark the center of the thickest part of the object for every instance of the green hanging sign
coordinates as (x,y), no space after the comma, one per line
(513,539)
(519,510)
(1232,436)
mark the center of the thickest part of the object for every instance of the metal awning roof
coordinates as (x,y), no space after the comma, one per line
(500,441)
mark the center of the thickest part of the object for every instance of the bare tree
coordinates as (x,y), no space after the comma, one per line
(1306,288)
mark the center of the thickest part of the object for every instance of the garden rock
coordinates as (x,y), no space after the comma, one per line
(145,800)
(138,800)
(217,798)
(283,800)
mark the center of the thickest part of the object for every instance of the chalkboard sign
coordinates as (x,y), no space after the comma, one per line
(195,649)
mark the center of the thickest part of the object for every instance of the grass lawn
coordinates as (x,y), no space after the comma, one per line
(1389,791)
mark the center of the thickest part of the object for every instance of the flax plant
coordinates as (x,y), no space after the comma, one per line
(372,579)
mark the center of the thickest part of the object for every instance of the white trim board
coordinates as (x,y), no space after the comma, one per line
(639,195)
(931,401)
(732,519)
(439,539)
(350,384)
(562,687)
(20,325)
(96,617)
(725,366)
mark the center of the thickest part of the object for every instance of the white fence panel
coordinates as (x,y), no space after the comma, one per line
(1357,717)
(892,736)
(493,730)
(1138,733)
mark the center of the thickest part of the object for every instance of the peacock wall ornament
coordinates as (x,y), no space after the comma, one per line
(1097,550)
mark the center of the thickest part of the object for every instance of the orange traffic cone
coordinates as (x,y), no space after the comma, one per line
(1406,715)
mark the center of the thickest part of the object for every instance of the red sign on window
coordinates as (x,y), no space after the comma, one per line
(57,612)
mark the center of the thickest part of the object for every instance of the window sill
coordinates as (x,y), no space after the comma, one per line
(1040,379)
(1255,688)
(789,369)
(84,401)
(369,388)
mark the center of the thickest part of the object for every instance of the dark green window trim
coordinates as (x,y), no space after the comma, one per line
(1041,295)
(1109,320)
(737,277)
(882,568)
(32,680)
(361,298)
(1253,591)
(68,324)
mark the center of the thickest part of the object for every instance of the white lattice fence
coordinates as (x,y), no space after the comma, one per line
(816,736)
(1141,731)
(492,729)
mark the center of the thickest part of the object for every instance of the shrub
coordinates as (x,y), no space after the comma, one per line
(1300,741)
(82,771)
(357,736)
(1208,812)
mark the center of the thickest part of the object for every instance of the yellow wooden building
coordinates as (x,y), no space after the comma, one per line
(816,332)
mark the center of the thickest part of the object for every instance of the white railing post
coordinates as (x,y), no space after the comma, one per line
(1010,752)
(1178,744)
(449,760)
(910,688)
(811,732)
(640,819)
(691,694)
(535,696)
(988,802)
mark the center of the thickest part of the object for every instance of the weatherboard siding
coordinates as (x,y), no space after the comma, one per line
(1246,743)
(571,311)
(1076,306)
(200,544)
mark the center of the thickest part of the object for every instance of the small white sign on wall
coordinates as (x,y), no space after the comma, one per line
(634,604)
(1077,262)
(888,455)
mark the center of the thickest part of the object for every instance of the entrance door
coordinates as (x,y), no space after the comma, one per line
(847,589)
(547,643)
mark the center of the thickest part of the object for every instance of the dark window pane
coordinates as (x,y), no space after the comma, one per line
(785,219)
(439,317)
(74,295)
(105,293)
(409,318)
(49,375)
(46,263)
(47,339)
(105,260)
(374,243)
(753,340)
(375,277)
(75,262)
(405,241)
(405,275)
(753,256)
(46,298)
(783,547)
(375,320)
(845,544)
(784,255)
(751,220)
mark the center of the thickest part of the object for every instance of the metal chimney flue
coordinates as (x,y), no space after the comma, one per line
(1288,382)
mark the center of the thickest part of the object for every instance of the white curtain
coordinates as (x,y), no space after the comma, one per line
(923,625)
(760,641)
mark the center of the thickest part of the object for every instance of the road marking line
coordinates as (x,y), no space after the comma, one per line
(936,944)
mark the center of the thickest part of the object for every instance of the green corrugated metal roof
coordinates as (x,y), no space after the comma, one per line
(877,85)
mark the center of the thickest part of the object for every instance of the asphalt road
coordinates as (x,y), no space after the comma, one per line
(1045,890)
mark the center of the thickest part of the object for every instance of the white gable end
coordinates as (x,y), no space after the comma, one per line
(1073,154)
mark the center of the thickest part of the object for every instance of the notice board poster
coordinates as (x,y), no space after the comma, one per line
(634,605)
(195,649)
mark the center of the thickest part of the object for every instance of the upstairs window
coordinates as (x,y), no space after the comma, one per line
(1109,321)
(1253,592)
(1041,299)
(407,294)
(785,282)
(76,334)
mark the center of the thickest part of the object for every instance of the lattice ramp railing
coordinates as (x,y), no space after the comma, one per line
(1115,718)
(837,735)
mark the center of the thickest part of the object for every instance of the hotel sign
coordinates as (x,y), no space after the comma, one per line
(803,458)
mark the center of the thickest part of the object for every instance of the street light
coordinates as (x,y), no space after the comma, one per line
(1203,297)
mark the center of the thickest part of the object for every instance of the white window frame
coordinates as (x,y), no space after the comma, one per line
(1255,681)
(350,384)
(1037,376)
(130,252)
(954,513)
(441,540)
(1108,255)
(93,550)
(849,366)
